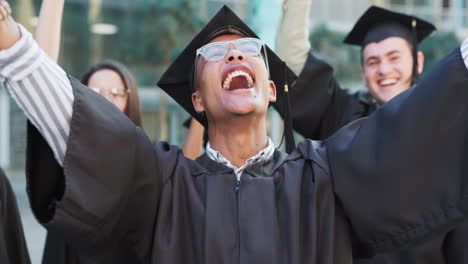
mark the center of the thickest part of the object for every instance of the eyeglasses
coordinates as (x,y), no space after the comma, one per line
(218,50)
(114,92)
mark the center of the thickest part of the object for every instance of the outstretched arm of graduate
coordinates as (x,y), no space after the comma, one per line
(49,27)
(402,173)
(319,105)
(87,178)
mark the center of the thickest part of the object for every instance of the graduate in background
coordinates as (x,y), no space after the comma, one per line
(390,65)
(243,201)
(116,83)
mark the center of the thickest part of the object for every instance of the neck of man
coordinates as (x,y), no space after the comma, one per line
(238,139)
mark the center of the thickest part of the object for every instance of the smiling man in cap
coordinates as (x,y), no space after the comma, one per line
(390,64)
(243,201)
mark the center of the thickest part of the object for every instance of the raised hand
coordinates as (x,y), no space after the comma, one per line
(5,10)
(9,31)
(48,27)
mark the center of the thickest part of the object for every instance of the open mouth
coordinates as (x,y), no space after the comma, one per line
(239,78)
(387,82)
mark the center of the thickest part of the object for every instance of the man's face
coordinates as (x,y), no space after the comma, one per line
(387,68)
(236,85)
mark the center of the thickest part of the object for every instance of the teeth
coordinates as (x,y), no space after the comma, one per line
(388,81)
(234,74)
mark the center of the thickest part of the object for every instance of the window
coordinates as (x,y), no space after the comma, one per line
(446,3)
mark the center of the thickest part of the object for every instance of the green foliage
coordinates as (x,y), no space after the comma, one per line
(151,33)
(157,31)
(77,42)
(344,58)
(436,47)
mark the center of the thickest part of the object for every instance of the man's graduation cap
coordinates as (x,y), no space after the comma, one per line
(377,24)
(178,80)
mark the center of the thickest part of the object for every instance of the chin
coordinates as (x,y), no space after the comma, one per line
(385,98)
(244,108)
(242,112)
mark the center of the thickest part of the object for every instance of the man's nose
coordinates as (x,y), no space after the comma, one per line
(384,67)
(234,55)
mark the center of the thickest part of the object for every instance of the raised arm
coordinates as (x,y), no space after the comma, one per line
(49,27)
(38,85)
(402,173)
(106,189)
(292,38)
(319,106)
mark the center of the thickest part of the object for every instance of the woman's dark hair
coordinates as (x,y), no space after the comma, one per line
(132,110)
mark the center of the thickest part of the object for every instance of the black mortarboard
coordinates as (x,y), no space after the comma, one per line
(177,81)
(377,24)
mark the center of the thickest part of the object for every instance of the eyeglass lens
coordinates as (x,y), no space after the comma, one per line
(114,92)
(217,51)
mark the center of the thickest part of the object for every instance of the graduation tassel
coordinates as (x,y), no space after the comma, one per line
(288,129)
(415,52)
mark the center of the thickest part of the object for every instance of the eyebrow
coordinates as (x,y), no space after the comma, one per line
(390,53)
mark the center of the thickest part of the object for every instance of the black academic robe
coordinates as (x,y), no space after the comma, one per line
(13,248)
(320,107)
(359,192)
(57,251)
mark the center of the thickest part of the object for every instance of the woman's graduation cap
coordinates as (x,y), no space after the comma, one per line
(178,80)
(377,24)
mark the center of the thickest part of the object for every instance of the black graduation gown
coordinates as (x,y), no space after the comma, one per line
(57,251)
(13,248)
(119,197)
(320,107)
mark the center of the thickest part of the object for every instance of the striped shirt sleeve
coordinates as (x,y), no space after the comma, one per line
(40,88)
(464,52)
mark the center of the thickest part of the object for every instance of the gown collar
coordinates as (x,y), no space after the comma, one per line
(264,155)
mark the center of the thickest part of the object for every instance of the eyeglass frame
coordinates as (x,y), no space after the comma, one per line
(226,43)
(261,42)
(112,92)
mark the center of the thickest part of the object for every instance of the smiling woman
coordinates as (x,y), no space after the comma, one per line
(115,82)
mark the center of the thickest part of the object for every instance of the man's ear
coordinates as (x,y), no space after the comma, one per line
(420,58)
(197,102)
(272,89)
